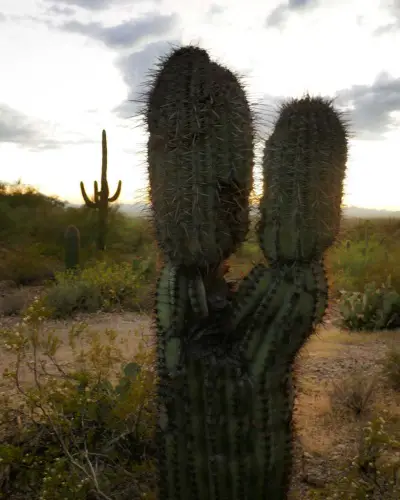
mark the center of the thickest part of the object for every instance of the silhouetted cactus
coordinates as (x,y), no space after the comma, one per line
(72,247)
(101,198)
(224,393)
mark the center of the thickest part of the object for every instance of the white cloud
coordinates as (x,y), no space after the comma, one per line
(71,67)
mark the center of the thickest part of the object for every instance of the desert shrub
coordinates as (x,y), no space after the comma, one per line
(352,268)
(144,266)
(102,287)
(374,473)
(29,219)
(377,308)
(391,367)
(26,265)
(81,429)
(361,230)
(352,395)
(13,302)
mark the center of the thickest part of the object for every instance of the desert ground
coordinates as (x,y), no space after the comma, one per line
(326,435)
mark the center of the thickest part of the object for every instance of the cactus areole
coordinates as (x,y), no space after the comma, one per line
(101,199)
(224,360)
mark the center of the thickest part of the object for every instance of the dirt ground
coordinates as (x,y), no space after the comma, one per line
(322,442)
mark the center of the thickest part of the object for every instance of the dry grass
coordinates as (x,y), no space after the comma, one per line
(340,385)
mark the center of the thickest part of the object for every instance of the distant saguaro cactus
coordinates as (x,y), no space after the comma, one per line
(101,198)
(224,358)
(72,247)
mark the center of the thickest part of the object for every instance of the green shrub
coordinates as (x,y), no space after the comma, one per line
(145,267)
(374,309)
(26,266)
(103,287)
(79,430)
(374,474)
(29,219)
(352,268)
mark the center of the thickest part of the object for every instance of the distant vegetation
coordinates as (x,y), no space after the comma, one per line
(365,257)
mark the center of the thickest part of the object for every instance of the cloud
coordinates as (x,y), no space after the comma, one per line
(85,4)
(135,68)
(215,9)
(17,128)
(128,33)
(393,7)
(279,15)
(63,11)
(95,5)
(3,18)
(371,107)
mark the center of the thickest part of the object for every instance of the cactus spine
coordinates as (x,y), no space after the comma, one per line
(72,247)
(224,394)
(101,199)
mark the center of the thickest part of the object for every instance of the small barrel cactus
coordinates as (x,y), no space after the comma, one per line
(224,359)
(72,243)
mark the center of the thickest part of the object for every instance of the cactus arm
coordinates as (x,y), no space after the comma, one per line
(117,193)
(89,203)
(198,297)
(103,157)
(97,194)
(201,175)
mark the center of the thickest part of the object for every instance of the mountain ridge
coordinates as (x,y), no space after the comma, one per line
(141,209)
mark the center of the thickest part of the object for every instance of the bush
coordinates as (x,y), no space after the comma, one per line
(29,219)
(78,430)
(374,474)
(391,368)
(366,251)
(26,266)
(353,268)
(375,309)
(102,287)
(352,395)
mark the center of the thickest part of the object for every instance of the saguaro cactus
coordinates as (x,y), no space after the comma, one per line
(225,363)
(101,198)
(72,243)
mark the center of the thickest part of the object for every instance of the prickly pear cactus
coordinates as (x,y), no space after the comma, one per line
(225,395)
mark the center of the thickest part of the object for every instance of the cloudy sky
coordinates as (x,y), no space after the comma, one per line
(71,67)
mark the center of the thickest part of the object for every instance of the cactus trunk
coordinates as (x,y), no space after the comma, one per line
(224,360)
